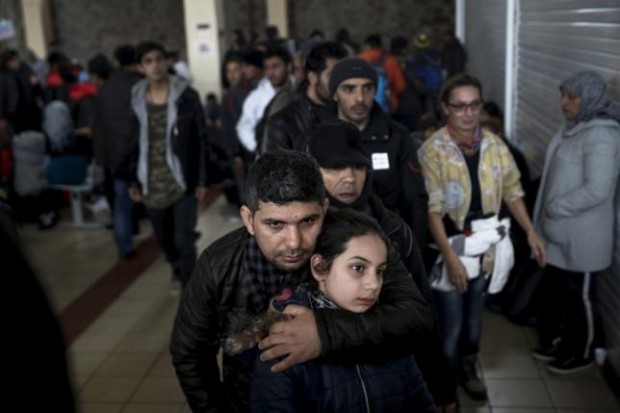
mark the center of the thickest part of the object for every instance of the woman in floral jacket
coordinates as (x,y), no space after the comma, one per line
(468,173)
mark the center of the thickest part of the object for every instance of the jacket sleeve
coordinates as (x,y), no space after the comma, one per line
(203,143)
(247,123)
(600,157)
(414,199)
(277,138)
(128,167)
(195,343)
(420,398)
(274,392)
(391,328)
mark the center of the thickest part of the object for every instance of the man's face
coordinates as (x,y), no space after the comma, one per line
(276,71)
(320,82)
(355,98)
(251,72)
(286,234)
(234,73)
(345,184)
(571,104)
(154,66)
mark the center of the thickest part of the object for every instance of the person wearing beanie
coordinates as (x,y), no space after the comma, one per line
(397,179)
(346,169)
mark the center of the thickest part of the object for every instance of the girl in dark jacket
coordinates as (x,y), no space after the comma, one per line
(348,266)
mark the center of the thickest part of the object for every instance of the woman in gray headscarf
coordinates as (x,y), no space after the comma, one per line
(574,214)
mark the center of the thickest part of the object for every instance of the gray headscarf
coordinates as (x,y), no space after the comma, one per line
(595,103)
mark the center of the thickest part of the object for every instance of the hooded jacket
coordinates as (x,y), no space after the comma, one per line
(186,136)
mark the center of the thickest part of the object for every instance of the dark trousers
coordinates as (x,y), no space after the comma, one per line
(174,231)
(567,311)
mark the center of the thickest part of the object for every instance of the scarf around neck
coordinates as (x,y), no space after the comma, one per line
(263,280)
(467,143)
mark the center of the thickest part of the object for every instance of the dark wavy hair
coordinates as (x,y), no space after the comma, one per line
(283,177)
(339,227)
(316,59)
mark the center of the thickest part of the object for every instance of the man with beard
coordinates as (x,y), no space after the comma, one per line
(347,175)
(238,275)
(287,128)
(398,180)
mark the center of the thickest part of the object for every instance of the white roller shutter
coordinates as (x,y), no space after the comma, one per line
(553,39)
(557,38)
(485,38)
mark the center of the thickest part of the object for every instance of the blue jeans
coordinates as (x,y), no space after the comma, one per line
(460,320)
(123,217)
(174,230)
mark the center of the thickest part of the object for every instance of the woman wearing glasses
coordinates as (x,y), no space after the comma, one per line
(468,173)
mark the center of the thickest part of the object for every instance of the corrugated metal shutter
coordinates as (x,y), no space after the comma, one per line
(555,39)
(485,39)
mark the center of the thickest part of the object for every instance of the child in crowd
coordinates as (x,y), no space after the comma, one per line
(348,265)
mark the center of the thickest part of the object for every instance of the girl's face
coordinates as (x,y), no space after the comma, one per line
(355,278)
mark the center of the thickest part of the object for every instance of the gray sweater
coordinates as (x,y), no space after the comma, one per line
(574,211)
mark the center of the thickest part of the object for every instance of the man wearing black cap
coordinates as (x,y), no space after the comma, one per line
(397,178)
(347,175)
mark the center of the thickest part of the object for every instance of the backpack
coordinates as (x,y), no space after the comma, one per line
(382,94)
(428,70)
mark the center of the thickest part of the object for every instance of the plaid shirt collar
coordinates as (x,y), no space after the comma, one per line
(264,280)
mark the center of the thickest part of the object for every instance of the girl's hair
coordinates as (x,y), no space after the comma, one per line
(339,227)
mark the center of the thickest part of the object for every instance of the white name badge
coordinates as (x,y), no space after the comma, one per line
(380,161)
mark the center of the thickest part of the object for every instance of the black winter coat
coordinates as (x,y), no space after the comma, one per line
(289,128)
(215,292)
(312,387)
(116,128)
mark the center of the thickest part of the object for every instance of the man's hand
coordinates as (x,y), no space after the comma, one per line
(297,339)
(200,193)
(448,408)
(134,194)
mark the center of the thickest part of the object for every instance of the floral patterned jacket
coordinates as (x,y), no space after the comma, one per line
(447,177)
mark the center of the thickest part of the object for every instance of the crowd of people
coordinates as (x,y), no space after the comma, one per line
(380,201)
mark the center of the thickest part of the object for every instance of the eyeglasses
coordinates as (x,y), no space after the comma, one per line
(462,107)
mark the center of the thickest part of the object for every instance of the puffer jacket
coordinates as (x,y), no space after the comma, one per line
(288,128)
(214,294)
(392,386)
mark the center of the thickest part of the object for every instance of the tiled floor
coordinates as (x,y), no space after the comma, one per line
(121,362)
